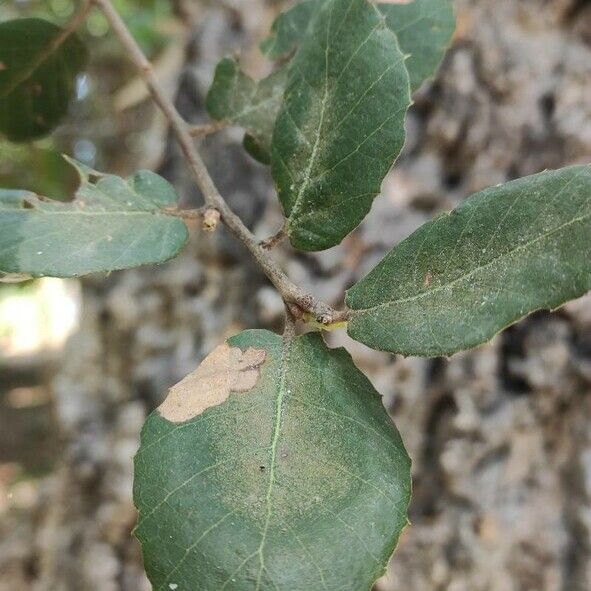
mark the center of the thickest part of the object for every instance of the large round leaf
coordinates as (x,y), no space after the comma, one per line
(273,467)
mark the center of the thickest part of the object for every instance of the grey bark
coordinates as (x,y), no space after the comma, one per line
(500,437)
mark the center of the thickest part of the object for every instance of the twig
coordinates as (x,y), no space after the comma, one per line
(290,292)
(209,217)
(185,214)
(289,329)
(271,242)
(207,128)
(68,29)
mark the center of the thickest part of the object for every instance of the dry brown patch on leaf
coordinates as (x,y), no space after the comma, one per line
(226,369)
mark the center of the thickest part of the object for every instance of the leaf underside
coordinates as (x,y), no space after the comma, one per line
(112,224)
(341,125)
(238,99)
(36,82)
(299,483)
(463,277)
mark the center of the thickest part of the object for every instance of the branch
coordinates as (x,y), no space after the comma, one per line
(292,294)
(178,124)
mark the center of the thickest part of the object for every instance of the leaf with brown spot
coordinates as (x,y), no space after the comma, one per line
(226,369)
(299,483)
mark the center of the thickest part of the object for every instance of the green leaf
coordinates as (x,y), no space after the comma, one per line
(37,76)
(297,480)
(238,99)
(288,29)
(112,224)
(341,126)
(424,29)
(468,274)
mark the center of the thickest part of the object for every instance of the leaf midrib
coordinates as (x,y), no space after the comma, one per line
(304,186)
(279,409)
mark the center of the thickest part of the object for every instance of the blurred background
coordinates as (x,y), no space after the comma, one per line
(500,437)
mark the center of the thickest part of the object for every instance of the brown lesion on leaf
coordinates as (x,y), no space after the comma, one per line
(226,369)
